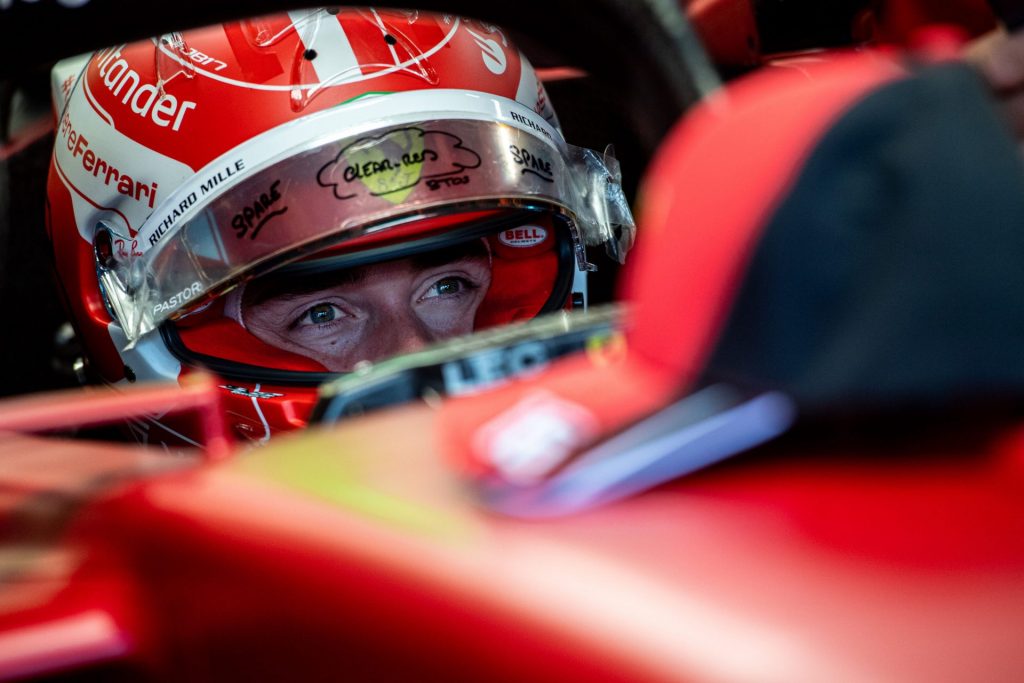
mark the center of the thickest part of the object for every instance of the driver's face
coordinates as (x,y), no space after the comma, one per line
(370,312)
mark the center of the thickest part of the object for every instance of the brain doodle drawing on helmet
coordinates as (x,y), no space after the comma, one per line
(282,198)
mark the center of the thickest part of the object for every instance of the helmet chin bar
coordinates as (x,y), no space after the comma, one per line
(465,365)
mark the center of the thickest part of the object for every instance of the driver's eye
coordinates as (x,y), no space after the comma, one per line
(319,314)
(449,286)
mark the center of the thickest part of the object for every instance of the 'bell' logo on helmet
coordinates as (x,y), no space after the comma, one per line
(526,236)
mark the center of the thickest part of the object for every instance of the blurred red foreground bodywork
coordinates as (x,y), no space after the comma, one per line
(294,563)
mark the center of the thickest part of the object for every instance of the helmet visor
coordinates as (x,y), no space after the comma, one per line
(326,192)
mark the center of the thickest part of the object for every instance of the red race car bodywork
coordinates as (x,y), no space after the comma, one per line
(357,551)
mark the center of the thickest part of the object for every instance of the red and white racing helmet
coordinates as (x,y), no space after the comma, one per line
(216,196)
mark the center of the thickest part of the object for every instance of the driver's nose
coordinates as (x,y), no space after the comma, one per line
(398,331)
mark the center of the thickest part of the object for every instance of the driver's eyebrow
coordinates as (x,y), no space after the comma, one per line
(287,287)
(454,254)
